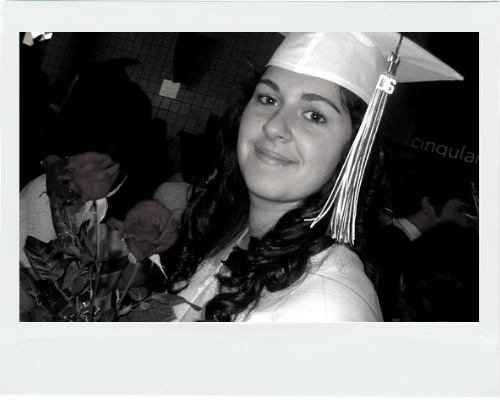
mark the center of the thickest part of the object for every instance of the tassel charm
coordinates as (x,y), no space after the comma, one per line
(343,199)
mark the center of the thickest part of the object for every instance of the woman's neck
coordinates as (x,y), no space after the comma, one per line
(264,214)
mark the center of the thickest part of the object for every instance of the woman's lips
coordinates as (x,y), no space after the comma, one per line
(271,158)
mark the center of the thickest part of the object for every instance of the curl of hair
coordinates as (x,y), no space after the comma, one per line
(280,258)
(216,212)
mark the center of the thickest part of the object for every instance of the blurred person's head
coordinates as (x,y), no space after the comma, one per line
(106,113)
(432,196)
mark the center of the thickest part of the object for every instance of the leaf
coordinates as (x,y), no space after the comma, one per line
(143,305)
(100,231)
(80,283)
(58,267)
(72,273)
(25,282)
(166,298)
(86,258)
(57,209)
(40,314)
(157,313)
(84,227)
(48,291)
(42,259)
(68,314)
(68,240)
(69,249)
(88,246)
(125,310)
(38,253)
(85,312)
(172,300)
(108,315)
(112,246)
(24,315)
(138,293)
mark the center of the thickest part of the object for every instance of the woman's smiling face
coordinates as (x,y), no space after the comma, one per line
(291,136)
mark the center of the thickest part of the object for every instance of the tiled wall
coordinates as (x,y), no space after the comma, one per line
(226,64)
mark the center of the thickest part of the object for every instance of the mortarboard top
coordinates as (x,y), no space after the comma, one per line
(356,60)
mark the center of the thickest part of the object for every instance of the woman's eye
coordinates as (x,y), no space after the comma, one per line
(315,116)
(267,100)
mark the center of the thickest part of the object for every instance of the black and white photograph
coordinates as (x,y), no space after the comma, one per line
(323,182)
(310,194)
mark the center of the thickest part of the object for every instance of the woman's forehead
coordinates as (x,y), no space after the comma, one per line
(284,79)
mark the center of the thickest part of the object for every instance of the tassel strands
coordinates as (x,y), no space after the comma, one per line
(343,199)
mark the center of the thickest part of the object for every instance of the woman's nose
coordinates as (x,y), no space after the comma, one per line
(279,125)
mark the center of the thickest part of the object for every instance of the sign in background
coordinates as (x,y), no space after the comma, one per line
(439,121)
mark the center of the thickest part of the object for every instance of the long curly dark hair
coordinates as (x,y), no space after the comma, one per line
(218,213)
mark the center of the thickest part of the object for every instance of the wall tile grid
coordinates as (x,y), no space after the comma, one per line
(227,64)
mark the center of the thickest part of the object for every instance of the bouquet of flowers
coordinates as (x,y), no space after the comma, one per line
(89,272)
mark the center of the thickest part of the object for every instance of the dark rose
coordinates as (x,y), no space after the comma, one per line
(92,175)
(148,229)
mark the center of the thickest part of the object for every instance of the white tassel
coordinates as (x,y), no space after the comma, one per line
(343,199)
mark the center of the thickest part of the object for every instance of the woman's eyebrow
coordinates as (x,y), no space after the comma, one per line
(317,97)
(307,96)
(269,83)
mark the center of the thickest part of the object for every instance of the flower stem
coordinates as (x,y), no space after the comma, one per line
(67,217)
(98,269)
(65,297)
(94,291)
(77,306)
(127,287)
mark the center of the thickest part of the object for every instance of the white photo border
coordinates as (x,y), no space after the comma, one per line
(351,359)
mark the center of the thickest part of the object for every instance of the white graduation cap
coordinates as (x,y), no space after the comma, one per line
(369,64)
(356,60)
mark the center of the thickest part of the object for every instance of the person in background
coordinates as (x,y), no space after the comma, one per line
(429,197)
(259,242)
(188,156)
(440,281)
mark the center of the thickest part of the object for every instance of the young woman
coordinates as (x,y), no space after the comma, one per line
(249,252)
